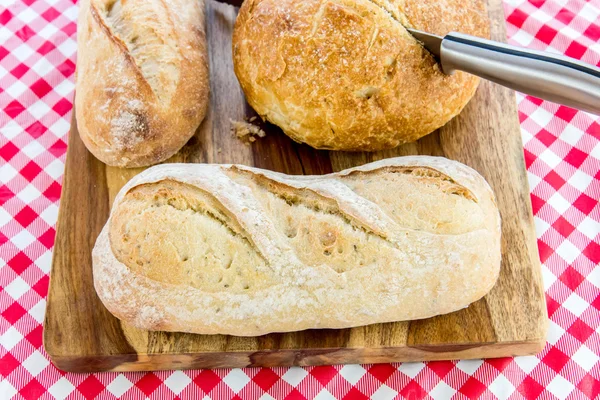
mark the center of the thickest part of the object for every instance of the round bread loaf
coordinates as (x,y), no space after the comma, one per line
(346,74)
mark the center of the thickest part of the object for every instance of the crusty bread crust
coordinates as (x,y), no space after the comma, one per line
(346,74)
(237,250)
(142,78)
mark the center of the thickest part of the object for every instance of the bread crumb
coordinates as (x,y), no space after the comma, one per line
(245,131)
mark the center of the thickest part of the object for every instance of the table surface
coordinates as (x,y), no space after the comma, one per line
(562,153)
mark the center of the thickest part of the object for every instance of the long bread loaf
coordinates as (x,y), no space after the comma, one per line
(142,78)
(236,250)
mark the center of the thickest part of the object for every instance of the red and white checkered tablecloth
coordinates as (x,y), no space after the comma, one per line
(562,153)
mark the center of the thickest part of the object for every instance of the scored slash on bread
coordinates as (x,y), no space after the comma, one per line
(237,250)
(142,78)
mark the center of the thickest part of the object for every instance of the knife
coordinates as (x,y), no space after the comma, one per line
(548,76)
(541,74)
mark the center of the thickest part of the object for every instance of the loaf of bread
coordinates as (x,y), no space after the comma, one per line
(142,78)
(236,250)
(346,74)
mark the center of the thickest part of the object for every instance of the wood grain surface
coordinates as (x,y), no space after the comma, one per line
(81,335)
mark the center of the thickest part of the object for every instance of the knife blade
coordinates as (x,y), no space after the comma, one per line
(541,74)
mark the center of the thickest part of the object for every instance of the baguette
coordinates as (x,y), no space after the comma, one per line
(229,249)
(142,78)
(346,74)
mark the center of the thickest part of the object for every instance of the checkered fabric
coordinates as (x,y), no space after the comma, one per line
(562,153)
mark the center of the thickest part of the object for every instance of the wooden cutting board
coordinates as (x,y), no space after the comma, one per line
(81,335)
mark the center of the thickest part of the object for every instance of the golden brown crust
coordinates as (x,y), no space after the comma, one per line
(237,250)
(345,74)
(142,78)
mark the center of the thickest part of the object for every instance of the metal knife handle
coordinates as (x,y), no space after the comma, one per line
(551,77)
